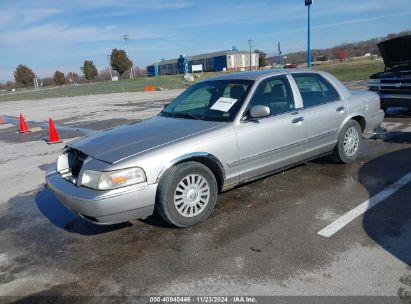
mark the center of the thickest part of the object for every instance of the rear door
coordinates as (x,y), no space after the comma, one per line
(323,110)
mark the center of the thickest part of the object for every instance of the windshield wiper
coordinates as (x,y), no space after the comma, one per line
(167,114)
(195,116)
(187,115)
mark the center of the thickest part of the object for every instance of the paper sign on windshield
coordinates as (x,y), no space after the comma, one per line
(223,104)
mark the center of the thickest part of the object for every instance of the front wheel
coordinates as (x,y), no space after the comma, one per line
(349,143)
(187,194)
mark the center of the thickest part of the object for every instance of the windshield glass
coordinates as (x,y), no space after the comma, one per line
(217,100)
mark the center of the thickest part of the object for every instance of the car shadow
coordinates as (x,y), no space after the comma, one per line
(156,221)
(397,115)
(389,222)
(63,218)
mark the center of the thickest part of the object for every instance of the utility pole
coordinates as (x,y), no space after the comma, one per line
(308,4)
(279,53)
(126,37)
(109,66)
(250,43)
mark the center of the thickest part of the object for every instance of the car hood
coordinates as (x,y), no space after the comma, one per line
(396,50)
(122,142)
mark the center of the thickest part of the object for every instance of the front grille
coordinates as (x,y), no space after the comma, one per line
(76,159)
(396,85)
(396,80)
(395,90)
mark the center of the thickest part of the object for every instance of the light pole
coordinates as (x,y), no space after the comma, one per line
(250,43)
(126,37)
(308,4)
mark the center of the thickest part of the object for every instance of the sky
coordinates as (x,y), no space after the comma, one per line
(49,35)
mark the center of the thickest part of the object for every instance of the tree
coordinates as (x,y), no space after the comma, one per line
(341,54)
(119,61)
(262,58)
(89,70)
(72,78)
(59,78)
(24,75)
(48,82)
(104,74)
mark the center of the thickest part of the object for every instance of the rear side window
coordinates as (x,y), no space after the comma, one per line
(315,89)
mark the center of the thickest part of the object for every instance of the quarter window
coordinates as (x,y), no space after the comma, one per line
(315,90)
(274,93)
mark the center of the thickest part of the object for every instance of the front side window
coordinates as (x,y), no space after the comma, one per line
(274,93)
(315,89)
(218,100)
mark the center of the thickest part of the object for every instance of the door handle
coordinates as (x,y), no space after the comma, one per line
(298,119)
(340,109)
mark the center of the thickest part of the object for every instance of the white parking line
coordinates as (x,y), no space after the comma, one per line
(344,220)
(405,130)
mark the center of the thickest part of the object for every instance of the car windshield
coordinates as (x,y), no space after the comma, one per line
(217,100)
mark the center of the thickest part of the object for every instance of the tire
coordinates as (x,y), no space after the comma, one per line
(349,143)
(183,207)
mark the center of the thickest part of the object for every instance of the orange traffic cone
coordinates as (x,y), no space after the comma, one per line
(54,137)
(23,125)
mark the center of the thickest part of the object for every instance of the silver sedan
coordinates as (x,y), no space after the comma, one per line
(217,134)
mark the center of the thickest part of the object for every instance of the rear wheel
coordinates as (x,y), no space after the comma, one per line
(187,194)
(349,143)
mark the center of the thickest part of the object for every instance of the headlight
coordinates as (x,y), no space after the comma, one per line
(113,179)
(374,81)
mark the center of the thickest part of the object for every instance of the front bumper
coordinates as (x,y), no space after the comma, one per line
(104,207)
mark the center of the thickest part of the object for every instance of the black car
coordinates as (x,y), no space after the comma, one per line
(394,83)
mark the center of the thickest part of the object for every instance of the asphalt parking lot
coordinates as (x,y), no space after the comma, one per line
(262,238)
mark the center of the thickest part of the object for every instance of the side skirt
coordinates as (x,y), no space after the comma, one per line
(260,176)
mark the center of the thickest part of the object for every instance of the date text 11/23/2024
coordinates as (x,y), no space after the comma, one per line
(203,299)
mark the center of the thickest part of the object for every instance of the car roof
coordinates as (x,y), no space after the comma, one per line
(259,74)
(254,75)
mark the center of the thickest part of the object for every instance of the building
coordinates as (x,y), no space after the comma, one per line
(230,60)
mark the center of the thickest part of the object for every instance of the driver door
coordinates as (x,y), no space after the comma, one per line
(275,141)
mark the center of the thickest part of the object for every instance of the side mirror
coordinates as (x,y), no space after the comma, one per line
(259,111)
